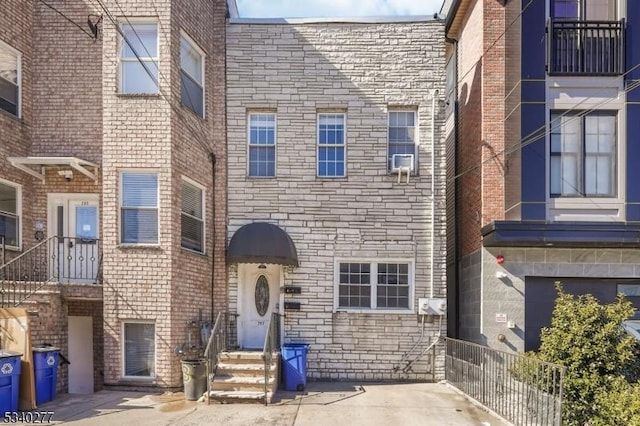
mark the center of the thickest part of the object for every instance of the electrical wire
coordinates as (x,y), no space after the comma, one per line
(68,19)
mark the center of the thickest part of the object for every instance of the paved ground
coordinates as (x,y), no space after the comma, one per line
(322,403)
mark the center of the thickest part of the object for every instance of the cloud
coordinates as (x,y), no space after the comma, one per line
(335,8)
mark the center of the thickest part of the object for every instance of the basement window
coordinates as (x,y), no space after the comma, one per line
(139,350)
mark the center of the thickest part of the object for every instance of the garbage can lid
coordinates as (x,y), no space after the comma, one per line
(45,349)
(194,361)
(7,354)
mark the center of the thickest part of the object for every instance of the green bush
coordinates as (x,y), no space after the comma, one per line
(587,338)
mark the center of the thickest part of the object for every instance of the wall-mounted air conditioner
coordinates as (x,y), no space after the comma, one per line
(402,163)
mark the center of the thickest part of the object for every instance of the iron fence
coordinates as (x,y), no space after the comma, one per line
(223,337)
(585,47)
(523,390)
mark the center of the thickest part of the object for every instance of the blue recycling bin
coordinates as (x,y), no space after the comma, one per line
(9,381)
(294,366)
(45,363)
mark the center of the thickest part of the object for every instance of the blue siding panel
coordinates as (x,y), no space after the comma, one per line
(533,40)
(633,153)
(533,160)
(533,91)
(633,38)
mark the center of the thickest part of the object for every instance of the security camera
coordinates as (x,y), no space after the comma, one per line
(67,174)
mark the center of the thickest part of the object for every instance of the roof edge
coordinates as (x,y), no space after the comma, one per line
(338,20)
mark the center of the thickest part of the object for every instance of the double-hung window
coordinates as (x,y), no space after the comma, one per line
(9,79)
(139,208)
(139,349)
(10,214)
(583,152)
(381,285)
(331,145)
(192,217)
(262,145)
(401,136)
(139,58)
(192,75)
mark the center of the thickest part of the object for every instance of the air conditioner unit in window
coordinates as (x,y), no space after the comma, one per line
(402,163)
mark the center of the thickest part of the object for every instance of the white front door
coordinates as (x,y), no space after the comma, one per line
(260,295)
(80,355)
(75,221)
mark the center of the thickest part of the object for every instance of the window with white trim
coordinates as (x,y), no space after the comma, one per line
(192,75)
(139,349)
(10,79)
(401,134)
(139,58)
(583,153)
(139,208)
(331,145)
(262,145)
(383,285)
(192,217)
(10,198)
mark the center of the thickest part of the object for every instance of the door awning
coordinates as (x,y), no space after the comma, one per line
(262,243)
(30,165)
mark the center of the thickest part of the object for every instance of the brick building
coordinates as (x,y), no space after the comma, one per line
(112,163)
(541,133)
(316,111)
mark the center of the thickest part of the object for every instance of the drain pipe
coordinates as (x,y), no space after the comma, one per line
(212,158)
(433,189)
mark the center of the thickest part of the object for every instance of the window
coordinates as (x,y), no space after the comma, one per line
(192,75)
(374,285)
(402,135)
(10,214)
(583,154)
(589,10)
(139,58)
(192,218)
(262,145)
(139,349)
(331,145)
(9,80)
(139,208)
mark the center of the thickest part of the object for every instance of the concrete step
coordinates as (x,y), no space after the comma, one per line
(231,397)
(244,369)
(234,383)
(238,357)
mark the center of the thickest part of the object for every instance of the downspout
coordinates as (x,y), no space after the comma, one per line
(433,189)
(212,158)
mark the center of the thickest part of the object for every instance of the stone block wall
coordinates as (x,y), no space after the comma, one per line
(298,70)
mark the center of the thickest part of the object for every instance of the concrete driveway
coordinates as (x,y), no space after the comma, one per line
(322,403)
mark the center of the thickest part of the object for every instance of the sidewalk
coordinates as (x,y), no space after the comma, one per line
(322,403)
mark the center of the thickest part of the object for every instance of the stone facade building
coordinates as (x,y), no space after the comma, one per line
(316,110)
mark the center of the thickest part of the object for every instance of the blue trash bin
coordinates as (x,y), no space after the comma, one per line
(45,362)
(294,366)
(9,381)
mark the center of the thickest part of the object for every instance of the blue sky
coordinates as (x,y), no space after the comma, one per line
(334,8)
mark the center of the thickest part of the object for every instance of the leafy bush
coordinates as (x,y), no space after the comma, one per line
(587,338)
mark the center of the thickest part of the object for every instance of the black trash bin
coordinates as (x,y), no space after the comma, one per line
(294,366)
(45,361)
(194,376)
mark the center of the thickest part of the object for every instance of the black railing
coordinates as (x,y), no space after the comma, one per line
(67,260)
(223,337)
(270,350)
(585,47)
(523,390)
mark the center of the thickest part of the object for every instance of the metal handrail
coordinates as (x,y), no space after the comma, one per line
(61,259)
(578,47)
(521,389)
(215,345)
(271,344)
(3,247)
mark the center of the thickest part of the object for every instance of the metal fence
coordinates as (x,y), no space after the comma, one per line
(522,390)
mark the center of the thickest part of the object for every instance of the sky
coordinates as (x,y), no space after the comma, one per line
(335,8)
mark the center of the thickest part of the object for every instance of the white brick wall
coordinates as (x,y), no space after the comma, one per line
(362,70)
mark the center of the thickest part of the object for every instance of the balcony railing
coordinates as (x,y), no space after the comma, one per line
(585,47)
